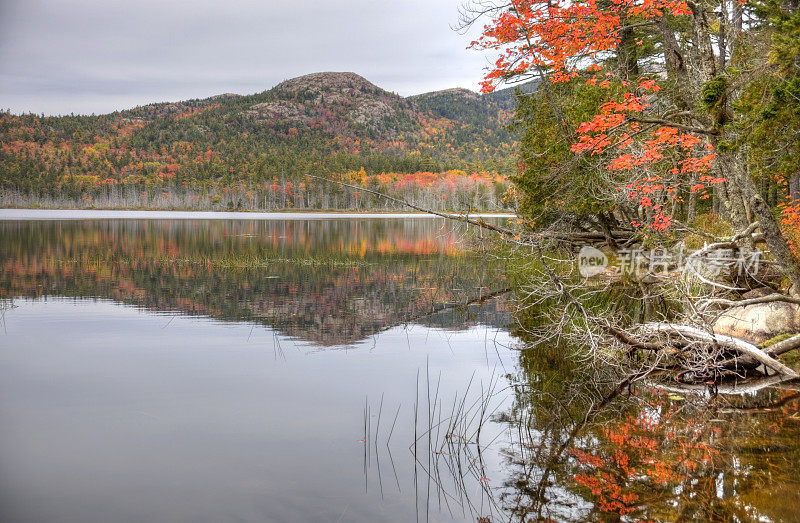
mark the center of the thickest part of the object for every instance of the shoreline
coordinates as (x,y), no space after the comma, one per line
(19,214)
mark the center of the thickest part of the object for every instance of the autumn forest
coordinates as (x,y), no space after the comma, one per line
(446,150)
(592,314)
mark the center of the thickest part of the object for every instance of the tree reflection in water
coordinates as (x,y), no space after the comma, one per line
(329,282)
(591,445)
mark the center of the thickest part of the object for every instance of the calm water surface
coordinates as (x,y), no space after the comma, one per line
(336,369)
(191,370)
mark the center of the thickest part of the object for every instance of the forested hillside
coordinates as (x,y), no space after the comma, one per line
(446,149)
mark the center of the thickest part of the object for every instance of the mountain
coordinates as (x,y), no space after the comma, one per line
(344,104)
(328,123)
(507,98)
(343,108)
(463,106)
(468,106)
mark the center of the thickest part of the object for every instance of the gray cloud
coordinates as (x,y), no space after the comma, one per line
(83,56)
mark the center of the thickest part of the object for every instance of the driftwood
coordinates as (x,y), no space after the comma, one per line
(740,346)
(702,304)
(782,347)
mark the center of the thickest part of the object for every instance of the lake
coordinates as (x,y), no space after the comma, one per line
(195,370)
(335,368)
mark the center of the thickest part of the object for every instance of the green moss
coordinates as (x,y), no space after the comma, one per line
(713,92)
(725,146)
(776,339)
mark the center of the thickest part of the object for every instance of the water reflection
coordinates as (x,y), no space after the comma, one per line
(332,282)
(183,371)
(113,413)
(120,399)
(593,445)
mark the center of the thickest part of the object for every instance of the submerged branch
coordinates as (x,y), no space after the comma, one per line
(448,306)
(735,387)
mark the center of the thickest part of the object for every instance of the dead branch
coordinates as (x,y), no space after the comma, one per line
(726,244)
(516,236)
(776,297)
(782,347)
(457,217)
(728,342)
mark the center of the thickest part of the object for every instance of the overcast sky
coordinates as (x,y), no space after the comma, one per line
(85,56)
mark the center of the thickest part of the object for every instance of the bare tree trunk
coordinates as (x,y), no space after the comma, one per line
(775,240)
(702,37)
(739,188)
(794,186)
(691,210)
(737,25)
(773,194)
(676,66)
(627,54)
(723,36)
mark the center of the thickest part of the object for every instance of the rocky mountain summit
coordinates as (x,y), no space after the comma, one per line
(348,105)
(334,101)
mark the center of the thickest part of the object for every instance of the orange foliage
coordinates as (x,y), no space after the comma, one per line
(569,38)
(640,454)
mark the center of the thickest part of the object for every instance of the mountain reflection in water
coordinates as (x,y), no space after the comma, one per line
(330,282)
